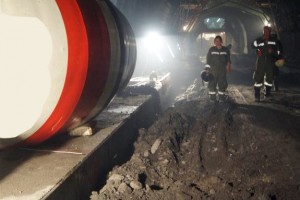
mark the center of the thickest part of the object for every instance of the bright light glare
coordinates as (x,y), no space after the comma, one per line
(25,52)
(266,23)
(207,36)
(185,27)
(154,41)
(178,46)
(159,57)
(170,50)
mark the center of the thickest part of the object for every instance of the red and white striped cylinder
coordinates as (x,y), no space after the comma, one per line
(61,63)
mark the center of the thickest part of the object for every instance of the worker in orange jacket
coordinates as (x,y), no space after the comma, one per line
(267,50)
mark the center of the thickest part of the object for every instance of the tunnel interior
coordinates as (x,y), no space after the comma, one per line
(187,29)
(238,26)
(183,22)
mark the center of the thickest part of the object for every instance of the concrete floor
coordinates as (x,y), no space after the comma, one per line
(67,167)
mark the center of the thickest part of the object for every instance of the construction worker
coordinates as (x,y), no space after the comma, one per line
(267,50)
(218,58)
(206,76)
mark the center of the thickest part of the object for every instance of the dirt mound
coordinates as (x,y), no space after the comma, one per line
(203,150)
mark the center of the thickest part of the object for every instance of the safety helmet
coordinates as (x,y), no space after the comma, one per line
(280,63)
(206,66)
(206,76)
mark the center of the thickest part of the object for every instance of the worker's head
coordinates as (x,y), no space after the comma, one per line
(206,76)
(218,41)
(266,31)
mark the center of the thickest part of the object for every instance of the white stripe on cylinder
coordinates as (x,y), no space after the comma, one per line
(42,49)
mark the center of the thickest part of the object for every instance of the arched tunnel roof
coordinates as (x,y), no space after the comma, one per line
(233,12)
(241,6)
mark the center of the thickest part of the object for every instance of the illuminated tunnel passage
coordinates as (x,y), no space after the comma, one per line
(96,24)
(238,25)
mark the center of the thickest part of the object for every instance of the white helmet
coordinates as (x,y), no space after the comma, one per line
(207,66)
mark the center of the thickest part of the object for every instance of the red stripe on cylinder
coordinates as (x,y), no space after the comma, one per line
(76,72)
(99,60)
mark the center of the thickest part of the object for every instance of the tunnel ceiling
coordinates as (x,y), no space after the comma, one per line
(226,8)
(285,15)
(171,15)
(235,13)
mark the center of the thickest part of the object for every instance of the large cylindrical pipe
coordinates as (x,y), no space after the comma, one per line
(61,63)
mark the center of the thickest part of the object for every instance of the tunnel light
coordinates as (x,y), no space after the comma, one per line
(154,40)
(178,47)
(214,22)
(207,36)
(267,23)
(155,43)
(185,27)
(25,52)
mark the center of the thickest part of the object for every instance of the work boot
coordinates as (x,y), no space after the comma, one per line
(221,97)
(213,97)
(267,96)
(257,94)
(268,91)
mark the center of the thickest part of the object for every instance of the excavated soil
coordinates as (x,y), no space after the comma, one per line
(199,149)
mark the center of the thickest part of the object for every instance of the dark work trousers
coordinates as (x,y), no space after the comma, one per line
(263,75)
(220,79)
(264,67)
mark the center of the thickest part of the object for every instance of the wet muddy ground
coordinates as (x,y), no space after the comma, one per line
(197,149)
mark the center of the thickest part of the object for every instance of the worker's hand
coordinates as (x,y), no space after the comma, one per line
(228,68)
